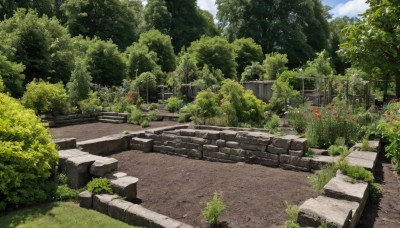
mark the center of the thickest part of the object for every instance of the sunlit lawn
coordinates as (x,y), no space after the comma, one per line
(58,214)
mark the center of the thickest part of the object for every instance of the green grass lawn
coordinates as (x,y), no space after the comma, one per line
(58,214)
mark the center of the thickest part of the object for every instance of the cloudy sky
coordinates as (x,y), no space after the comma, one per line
(340,8)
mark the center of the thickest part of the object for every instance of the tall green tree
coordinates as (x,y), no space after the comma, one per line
(255,71)
(11,76)
(140,59)
(187,70)
(274,64)
(297,27)
(216,52)
(246,51)
(157,16)
(105,63)
(372,44)
(106,19)
(41,44)
(7,7)
(79,85)
(161,45)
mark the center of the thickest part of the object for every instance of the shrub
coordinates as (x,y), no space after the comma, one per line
(121,105)
(91,105)
(214,208)
(145,123)
(173,104)
(152,106)
(272,125)
(339,148)
(27,155)
(182,118)
(99,185)
(321,178)
(135,117)
(356,172)
(365,144)
(204,106)
(64,192)
(154,115)
(45,97)
(292,212)
(298,118)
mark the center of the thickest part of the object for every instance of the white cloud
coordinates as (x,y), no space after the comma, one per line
(351,8)
(208,5)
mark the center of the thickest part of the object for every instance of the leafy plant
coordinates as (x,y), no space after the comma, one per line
(99,185)
(365,144)
(321,178)
(152,106)
(272,125)
(356,172)
(135,117)
(292,212)
(91,105)
(27,155)
(214,208)
(173,104)
(154,115)
(145,123)
(339,148)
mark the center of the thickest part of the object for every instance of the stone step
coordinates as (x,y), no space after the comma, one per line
(105,145)
(65,143)
(64,155)
(324,210)
(112,117)
(110,121)
(103,165)
(123,185)
(320,161)
(345,188)
(114,114)
(364,159)
(145,145)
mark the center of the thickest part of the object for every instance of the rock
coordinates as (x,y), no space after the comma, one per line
(189,146)
(346,189)
(187,132)
(320,151)
(256,138)
(63,155)
(65,143)
(296,153)
(210,148)
(78,170)
(198,140)
(299,144)
(285,141)
(117,209)
(193,153)
(319,162)
(145,145)
(276,150)
(228,135)
(153,136)
(221,143)
(219,155)
(263,161)
(115,175)
(105,145)
(103,165)
(246,146)
(206,134)
(86,199)
(373,146)
(163,149)
(101,202)
(125,186)
(234,152)
(294,162)
(367,164)
(232,144)
(324,210)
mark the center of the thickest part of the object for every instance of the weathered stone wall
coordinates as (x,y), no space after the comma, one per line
(227,145)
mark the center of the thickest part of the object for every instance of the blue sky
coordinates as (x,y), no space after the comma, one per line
(340,8)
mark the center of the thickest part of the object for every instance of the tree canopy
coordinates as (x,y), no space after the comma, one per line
(246,52)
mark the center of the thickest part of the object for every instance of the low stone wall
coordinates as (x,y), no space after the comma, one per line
(343,200)
(59,121)
(228,145)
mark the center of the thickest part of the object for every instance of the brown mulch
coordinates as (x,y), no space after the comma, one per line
(96,130)
(179,187)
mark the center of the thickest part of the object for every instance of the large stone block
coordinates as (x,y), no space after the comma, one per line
(103,165)
(63,155)
(77,169)
(115,175)
(276,150)
(297,153)
(198,140)
(257,138)
(323,210)
(284,141)
(207,134)
(86,199)
(373,146)
(101,202)
(105,145)
(193,153)
(232,144)
(234,152)
(188,132)
(145,145)
(210,148)
(153,136)
(218,155)
(65,143)
(221,143)
(344,188)
(299,144)
(294,162)
(228,135)
(125,186)
(263,161)
(117,209)
(246,146)
(139,216)
(364,159)
(319,161)
(163,149)
(189,146)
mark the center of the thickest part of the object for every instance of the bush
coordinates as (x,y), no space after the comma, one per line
(204,106)
(292,212)
(272,125)
(91,105)
(122,105)
(321,178)
(356,172)
(154,115)
(27,155)
(339,148)
(44,97)
(298,118)
(99,185)
(145,123)
(135,117)
(173,104)
(214,208)
(152,106)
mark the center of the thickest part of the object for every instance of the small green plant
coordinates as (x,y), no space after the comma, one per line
(99,185)
(91,105)
(365,144)
(145,123)
(182,118)
(320,179)
(173,104)
(125,132)
(63,192)
(309,153)
(292,212)
(374,192)
(152,106)
(135,117)
(272,124)
(214,208)
(356,172)
(153,115)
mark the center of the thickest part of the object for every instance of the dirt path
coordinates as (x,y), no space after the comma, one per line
(96,130)
(178,187)
(385,213)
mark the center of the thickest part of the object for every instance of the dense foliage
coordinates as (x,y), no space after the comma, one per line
(11,76)
(27,155)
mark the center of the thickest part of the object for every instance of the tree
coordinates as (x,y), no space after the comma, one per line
(79,85)
(216,52)
(140,60)
(208,78)
(298,28)
(11,77)
(372,44)
(157,16)
(7,7)
(41,44)
(255,71)
(274,64)
(105,63)
(161,45)
(105,19)
(321,66)
(247,52)
(147,83)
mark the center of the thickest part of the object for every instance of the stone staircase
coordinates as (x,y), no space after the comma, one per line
(113,117)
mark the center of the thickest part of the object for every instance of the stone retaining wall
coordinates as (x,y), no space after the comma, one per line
(59,121)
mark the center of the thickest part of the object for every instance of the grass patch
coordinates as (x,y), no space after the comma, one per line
(58,214)
(320,179)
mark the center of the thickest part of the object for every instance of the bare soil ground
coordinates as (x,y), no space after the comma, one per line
(179,187)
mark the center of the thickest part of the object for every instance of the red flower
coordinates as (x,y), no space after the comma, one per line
(329,108)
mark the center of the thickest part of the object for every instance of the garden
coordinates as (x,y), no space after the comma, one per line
(135,112)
